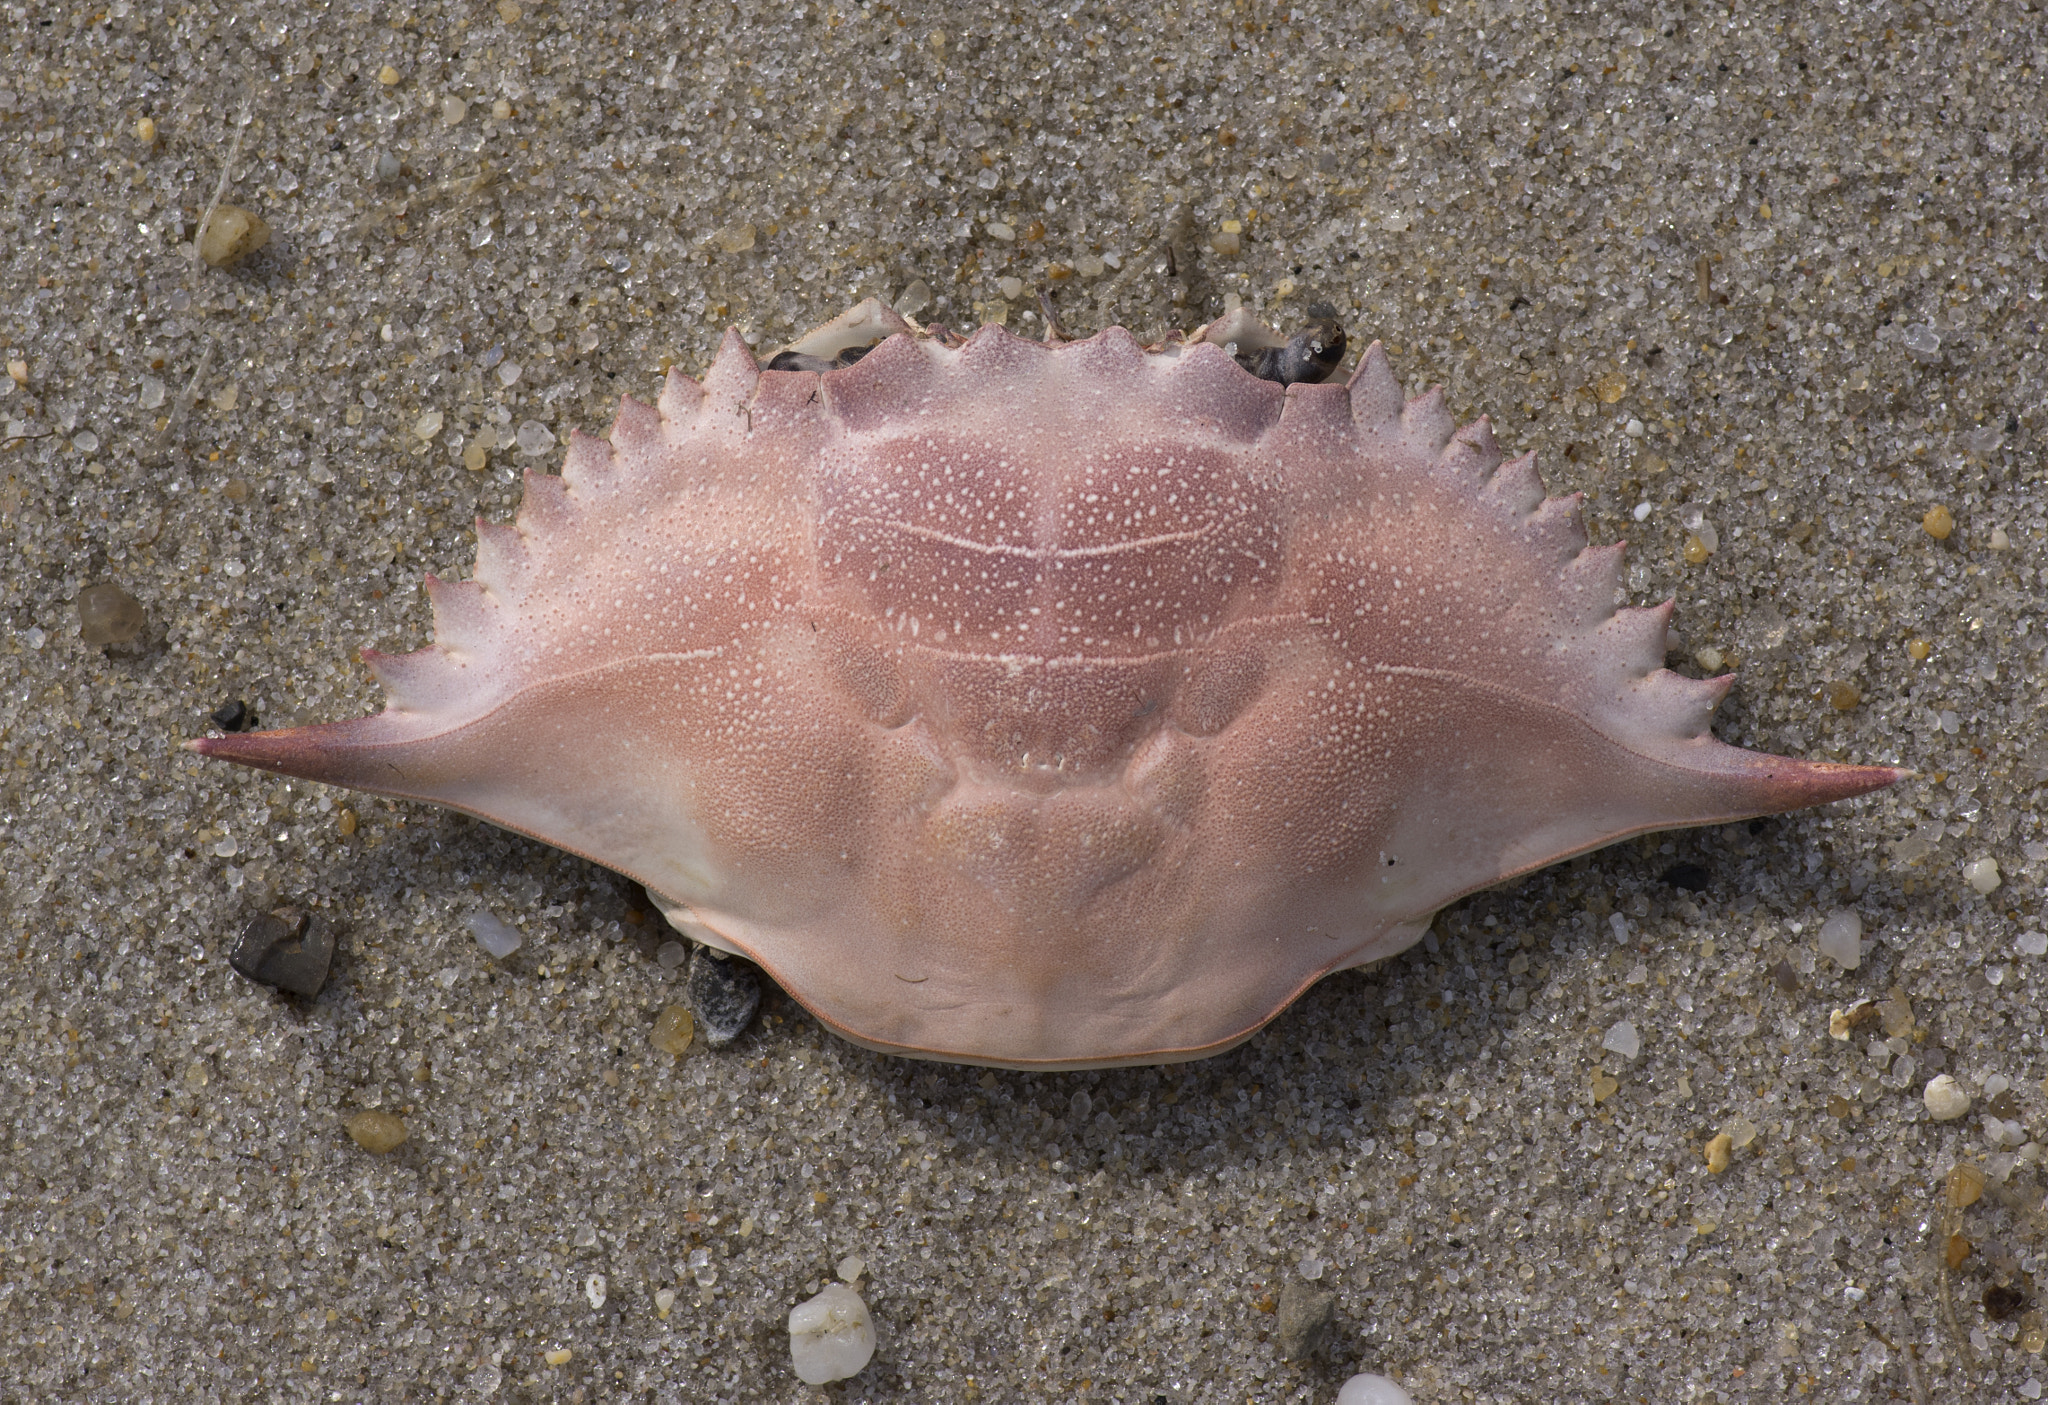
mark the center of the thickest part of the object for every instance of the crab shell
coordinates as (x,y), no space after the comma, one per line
(1048,706)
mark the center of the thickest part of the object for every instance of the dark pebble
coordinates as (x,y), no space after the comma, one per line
(2002,1303)
(1689,876)
(234,715)
(724,992)
(1305,1313)
(288,949)
(1786,977)
(108,614)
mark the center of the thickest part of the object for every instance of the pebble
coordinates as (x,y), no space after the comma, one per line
(108,614)
(725,992)
(1983,875)
(534,439)
(1367,1389)
(735,238)
(234,715)
(673,1030)
(1841,938)
(2032,943)
(1717,1152)
(831,1336)
(1305,1316)
(377,1132)
(231,235)
(1938,523)
(1945,1098)
(495,935)
(1623,1039)
(286,949)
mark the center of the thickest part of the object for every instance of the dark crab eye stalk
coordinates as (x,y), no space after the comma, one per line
(1310,355)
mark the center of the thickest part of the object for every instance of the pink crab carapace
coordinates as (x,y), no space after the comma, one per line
(1048,705)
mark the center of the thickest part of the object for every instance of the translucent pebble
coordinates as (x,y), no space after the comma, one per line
(85,441)
(1622,1039)
(672,955)
(1982,875)
(151,394)
(509,373)
(427,426)
(534,439)
(1310,1267)
(231,235)
(1945,1098)
(831,1336)
(851,1268)
(674,1028)
(1373,1390)
(2032,944)
(453,110)
(108,614)
(998,230)
(1013,288)
(595,1289)
(1841,938)
(1921,341)
(496,936)
(377,1132)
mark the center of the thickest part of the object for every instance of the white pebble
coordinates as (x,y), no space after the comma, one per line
(1982,875)
(1945,1098)
(831,1336)
(2033,944)
(1841,938)
(1622,1039)
(534,439)
(495,935)
(851,1268)
(594,1288)
(1373,1390)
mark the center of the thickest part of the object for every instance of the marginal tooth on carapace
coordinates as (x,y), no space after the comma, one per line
(888,383)
(1588,584)
(729,383)
(1557,526)
(1637,632)
(1682,708)
(588,462)
(681,397)
(461,612)
(1375,393)
(1472,455)
(637,428)
(1518,488)
(413,682)
(1425,420)
(1205,386)
(546,506)
(501,558)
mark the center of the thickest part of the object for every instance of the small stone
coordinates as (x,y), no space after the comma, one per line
(286,949)
(1938,522)
(1227,242)
(145,131)
(664,1302)
(1717,1152)
(831,1336)
(388,167)
(1305,1316)
(427,426)
(915,298)
(453,110)
(2002,1303)
(734,238)
(234,715)
(108,614)
(377,1132)
(1945,1098)
(1605,1086)
(999,231)
(150,394)
(725,992)
(17,371)
(1785,978)
(1688,877)
(1965,1185)
(1623,1039)
(477,456)
(1999,540)
(1696,553)
(673,1030)
(1983,875)
(388,76)
(1611,387)
(231,235)
(671,955)
(534,439)
(1957,1249)
(1918,650)
(1368,1389)
(1840,938)
(851,1268)
(347,822)
(558,1356)
(1843,697)
(2032,943)
(595,1290)
(495,935)
(501,110)
(1012,288)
